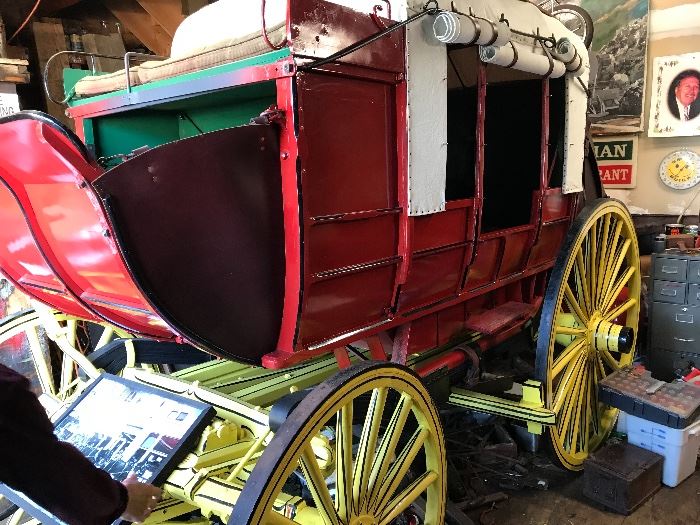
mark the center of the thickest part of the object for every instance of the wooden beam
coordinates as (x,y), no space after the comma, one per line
(105,45)
(141,24)
(190,6)
(50,7)
(166,12)
(50,39)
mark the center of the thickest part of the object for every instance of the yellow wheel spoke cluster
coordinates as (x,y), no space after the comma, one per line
(588,326)
(389,454)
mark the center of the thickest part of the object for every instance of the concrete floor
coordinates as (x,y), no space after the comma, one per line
(565,504)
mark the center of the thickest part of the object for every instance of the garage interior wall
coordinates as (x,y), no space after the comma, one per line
(674,29)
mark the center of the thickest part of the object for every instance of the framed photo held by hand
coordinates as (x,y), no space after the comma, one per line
(675,102)
(124,426)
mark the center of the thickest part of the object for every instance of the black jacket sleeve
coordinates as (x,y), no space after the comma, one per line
(54,474)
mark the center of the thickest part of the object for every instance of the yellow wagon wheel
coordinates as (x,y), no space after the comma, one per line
(588,326)
(56,344)
(397,459)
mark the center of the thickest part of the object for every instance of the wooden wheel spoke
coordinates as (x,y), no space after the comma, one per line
(343,452)
(582,288)
(609,359)
(406,497)
(617,289)
(367,447)
(398,470)
(611,278)
(617,312)
(385,452)
(318,487)
(593,264)
(603,258)
(566,356)
(572,401)
(578,408)
(574,305)
(608,262)
(566,384)
(566,330)
(105,337)
(588,407)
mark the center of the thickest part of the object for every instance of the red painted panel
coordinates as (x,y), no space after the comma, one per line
(322,28)
(450,323)
(555,205)
(515,253)
(424,333)
(440,229)
(336,244)
(65,216)
(22,262)
(549,243)
(483,269)
(346,302)
(346,141)
(432,276)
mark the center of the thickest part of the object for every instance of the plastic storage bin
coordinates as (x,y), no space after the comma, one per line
(678,446)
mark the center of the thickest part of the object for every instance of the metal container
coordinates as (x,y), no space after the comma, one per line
(674,229)
(621,476)
(691,229)
(659,243)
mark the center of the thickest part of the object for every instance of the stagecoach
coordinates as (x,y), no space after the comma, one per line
(319,222)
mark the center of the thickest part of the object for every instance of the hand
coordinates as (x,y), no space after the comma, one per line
(142,499)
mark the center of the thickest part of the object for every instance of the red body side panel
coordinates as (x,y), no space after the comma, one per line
(48,177)
(23,263)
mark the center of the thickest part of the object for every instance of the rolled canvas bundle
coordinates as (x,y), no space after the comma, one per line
(521,57)
(566,52)
(454,28)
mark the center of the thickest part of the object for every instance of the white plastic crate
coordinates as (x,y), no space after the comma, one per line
(679,446)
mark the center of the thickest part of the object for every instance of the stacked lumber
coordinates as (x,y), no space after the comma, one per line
(14,71)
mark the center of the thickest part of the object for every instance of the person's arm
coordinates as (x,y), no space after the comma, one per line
(54,474)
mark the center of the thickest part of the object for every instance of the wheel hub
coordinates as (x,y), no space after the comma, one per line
(365,519)
(610,336)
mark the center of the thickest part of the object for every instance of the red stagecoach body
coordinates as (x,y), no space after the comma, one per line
(291,237)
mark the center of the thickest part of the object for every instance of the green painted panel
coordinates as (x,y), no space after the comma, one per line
(122,133)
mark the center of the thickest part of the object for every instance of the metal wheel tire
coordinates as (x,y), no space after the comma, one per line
(575,19)
(588,327)
(372,485)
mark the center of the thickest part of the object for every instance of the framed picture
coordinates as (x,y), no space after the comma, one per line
(123,426)
(675,104)
(618,64)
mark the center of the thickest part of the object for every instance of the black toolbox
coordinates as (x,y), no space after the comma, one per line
(621,476)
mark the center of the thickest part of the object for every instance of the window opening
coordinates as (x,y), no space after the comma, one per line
(462,71)
(512,151)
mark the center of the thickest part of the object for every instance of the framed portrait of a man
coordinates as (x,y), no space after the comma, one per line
(675,102)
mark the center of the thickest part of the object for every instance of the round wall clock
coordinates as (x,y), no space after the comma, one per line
(681,169)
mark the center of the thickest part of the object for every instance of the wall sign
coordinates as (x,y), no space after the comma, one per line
(617,161)
(9,102)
